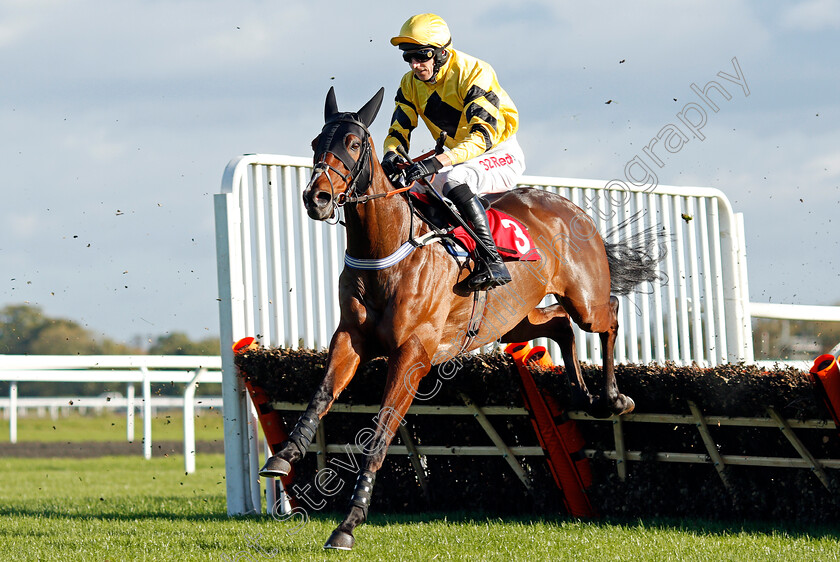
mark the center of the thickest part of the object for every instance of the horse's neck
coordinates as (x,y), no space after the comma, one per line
(376,229)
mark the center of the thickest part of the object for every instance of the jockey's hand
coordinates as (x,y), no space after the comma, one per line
(422,169)
(389,163)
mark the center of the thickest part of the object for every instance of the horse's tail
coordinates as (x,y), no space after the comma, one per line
(633,259)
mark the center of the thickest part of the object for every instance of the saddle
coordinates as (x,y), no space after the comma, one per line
(511,236)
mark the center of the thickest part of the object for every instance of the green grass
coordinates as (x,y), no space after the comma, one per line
(166,426)
(126,508)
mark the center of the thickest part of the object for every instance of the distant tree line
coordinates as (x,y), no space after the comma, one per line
(25,330)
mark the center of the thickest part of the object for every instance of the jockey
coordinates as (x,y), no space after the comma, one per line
(458,94)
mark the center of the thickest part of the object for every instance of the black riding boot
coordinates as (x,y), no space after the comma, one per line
(490,271)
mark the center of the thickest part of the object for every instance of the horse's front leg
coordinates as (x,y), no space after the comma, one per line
(406,367)
(345,355)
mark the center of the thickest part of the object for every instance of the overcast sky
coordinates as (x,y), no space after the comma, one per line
(118,119)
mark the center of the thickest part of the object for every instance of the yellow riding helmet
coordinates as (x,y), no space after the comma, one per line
(424,29)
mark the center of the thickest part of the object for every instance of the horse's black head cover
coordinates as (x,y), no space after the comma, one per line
(339,125)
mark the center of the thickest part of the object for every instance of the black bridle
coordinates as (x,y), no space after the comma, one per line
(359,172)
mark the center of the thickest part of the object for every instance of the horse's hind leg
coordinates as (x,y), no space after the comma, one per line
(565,338)
(603,320)
(554,322)
(612,400)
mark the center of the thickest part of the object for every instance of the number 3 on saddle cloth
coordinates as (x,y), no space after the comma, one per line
(511,236)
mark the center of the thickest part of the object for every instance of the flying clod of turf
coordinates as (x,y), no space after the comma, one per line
(650,489)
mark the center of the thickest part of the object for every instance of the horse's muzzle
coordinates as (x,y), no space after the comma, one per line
(319,204)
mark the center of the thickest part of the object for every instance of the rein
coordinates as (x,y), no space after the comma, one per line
(341,201)
(358,179)
(354,172)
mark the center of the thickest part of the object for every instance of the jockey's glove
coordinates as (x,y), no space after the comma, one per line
(422,169)
(389,163)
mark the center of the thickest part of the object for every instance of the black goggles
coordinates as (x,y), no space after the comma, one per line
(421,55)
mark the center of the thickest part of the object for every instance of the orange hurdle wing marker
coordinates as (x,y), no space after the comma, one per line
(558,435)
(826,375)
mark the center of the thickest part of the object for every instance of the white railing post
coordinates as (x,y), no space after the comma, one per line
(147,414)
(254,453)
(189,422)
(13,396)
(745,327)
(129,413)
(730,265)
(270,486)
(241,486)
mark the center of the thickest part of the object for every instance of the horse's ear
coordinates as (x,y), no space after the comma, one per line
(368,112)
(331,107)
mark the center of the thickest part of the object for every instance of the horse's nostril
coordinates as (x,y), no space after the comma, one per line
(322,199)
(316,199)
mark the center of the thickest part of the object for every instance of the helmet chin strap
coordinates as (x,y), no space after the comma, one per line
(441,56)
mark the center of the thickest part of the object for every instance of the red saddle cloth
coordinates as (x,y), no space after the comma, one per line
(511,236)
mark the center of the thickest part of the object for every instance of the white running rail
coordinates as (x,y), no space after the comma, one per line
(127,369)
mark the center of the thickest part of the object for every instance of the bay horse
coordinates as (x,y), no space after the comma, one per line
(412,311)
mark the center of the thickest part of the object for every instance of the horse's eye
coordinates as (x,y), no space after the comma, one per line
(355,145)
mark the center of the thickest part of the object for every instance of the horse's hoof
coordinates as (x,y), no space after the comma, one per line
(339,540)
(275,467)
(623,405)
(601,408)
